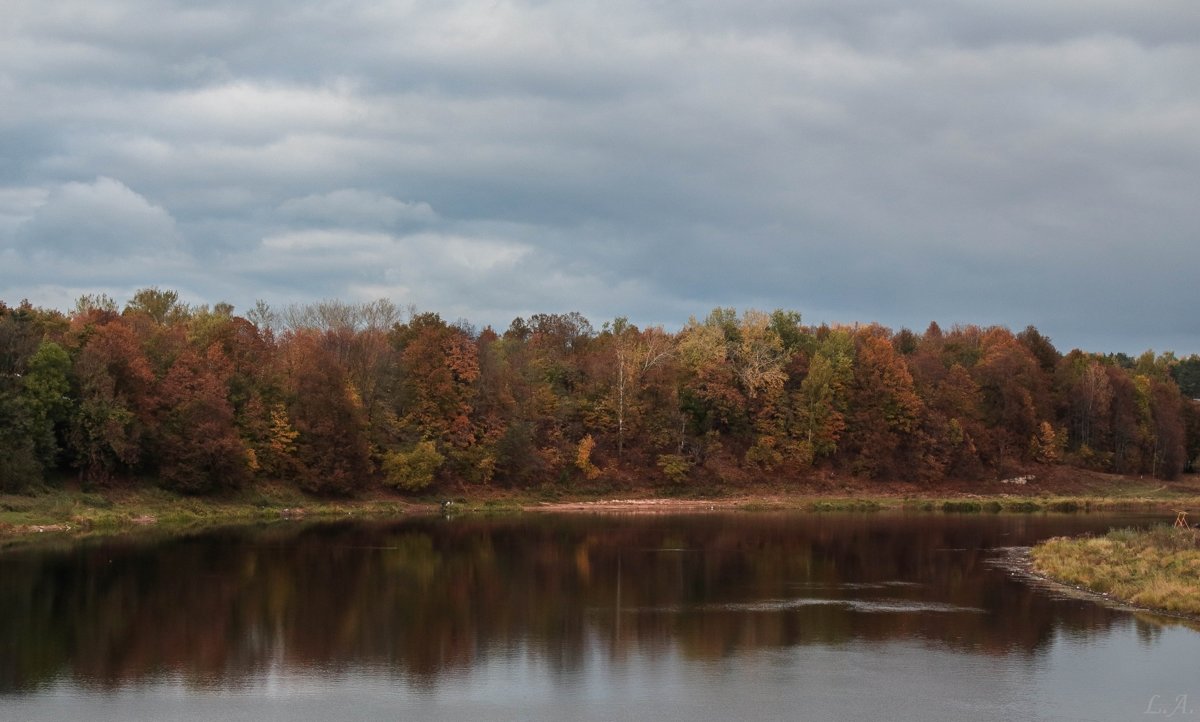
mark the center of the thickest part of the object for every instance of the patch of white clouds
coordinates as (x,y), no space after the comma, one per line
(430,255)
(17,205)
(354,207)
(89,237)
(103,219)
(253,110)
(320,241)
(515,284)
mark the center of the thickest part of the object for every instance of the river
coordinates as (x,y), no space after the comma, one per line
(764,616)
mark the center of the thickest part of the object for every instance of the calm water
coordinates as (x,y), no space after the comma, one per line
(706,617)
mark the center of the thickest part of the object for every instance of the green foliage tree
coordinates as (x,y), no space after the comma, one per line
(163,307)
(412,470)
(114,381)
(674,467)
(30,396)
(821,399)
(1186,374)
(45,388)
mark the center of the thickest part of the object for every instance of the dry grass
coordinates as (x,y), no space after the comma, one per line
(1157,568)
(120,510)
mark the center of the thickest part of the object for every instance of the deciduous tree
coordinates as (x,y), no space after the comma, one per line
(198,447)
(331,444)
(882,427)
(114,406)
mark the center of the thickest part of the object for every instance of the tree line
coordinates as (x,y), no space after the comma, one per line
(336,397)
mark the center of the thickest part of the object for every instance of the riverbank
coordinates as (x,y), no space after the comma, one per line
(68,511)
(107,511)
(1157,568)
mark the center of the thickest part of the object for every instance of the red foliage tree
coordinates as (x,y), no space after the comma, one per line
(198,446)
(331,445)
(882,433)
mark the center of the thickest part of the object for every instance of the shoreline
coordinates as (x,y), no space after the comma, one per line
(70,513)
(1019,562)
(966,504)
(1152,569)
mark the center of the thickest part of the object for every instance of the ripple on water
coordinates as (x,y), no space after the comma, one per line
(866,606)
(857,605)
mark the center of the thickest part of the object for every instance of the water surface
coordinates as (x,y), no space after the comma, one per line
(717,616)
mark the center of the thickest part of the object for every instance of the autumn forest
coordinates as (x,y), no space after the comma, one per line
(340,397)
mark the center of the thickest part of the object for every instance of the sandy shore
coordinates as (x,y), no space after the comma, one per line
(652,506)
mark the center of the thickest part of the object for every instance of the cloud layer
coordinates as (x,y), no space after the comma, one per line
(1031,163)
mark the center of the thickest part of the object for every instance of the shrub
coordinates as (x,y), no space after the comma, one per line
(674,467)
(412,470)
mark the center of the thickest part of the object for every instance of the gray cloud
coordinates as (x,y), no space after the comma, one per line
(101,219)
(1031,163)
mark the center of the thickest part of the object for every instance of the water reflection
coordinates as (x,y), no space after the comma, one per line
(420,600)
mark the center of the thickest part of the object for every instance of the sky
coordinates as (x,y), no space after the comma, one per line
(1024,162)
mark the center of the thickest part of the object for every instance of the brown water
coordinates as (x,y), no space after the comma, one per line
(704,617)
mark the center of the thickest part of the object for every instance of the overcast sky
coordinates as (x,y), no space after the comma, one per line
(1018,162)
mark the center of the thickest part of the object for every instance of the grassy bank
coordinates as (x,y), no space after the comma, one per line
(1157,568)
(71,511)
(75,512)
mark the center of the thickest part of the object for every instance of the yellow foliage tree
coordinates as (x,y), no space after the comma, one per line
(583,457)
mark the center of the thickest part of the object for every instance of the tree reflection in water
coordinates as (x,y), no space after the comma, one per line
(424,597)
